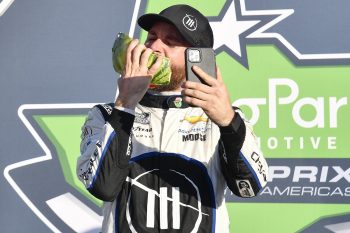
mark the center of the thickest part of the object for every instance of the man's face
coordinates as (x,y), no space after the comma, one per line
(165,39)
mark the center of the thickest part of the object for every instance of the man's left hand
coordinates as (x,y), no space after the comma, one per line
(213,98)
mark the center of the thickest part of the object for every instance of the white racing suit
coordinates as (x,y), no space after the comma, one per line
(166,168)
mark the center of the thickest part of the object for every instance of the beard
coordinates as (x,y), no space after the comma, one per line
(177,78)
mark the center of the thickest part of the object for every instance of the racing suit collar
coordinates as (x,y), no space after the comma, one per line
(163,100)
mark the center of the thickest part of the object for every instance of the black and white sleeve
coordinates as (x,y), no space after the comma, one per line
(243,164)
(105,151)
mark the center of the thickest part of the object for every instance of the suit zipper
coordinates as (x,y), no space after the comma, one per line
(162,130)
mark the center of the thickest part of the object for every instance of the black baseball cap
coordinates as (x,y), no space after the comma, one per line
(192,25)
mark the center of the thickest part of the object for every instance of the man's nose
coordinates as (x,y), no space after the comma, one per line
(157,46)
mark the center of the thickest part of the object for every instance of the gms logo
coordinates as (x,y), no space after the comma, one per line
(289,73)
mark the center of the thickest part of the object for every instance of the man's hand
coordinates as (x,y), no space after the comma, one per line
(136,77)
(212,98)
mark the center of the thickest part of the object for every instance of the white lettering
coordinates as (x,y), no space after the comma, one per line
(306,190)
(332,143)
(324,173)
(337,191)
(273,83)
(317,104)
(275,99)
(323,194)
(277,190)
(310,173)
(288,141)
(333,110)
(272,143)
(347,192)
(315,144)
(305,172)
(295,191)
(279,172)
(341,174)
(266,190)
(301,141)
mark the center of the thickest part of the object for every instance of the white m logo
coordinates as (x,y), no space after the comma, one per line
(190,22)
(164,199)
(163,208)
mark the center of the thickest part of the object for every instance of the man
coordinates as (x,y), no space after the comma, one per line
(162,159)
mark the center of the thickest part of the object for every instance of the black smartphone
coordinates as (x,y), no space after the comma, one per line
(201,57)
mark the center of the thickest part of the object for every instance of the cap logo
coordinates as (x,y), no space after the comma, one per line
(190,22)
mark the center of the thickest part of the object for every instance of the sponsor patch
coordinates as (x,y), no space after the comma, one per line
(194,137)
(178,102)
(261,168)
(86,131)
(142,118)
(108,108)
(245,188)
(142,132)
(195,119)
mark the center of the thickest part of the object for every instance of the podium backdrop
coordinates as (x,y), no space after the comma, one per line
(286,64)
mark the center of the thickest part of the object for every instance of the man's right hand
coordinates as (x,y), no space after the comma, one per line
(136,77)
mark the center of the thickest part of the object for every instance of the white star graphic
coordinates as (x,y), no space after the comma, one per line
(4,5)
(228,30)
